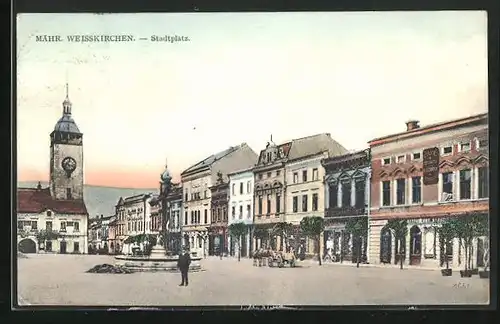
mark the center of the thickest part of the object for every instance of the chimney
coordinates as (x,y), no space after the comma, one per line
(411,125)
(102,215)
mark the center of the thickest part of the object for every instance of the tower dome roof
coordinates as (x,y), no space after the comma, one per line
(66,124)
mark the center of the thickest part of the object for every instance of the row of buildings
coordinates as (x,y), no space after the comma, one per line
(310,176)
(316,176)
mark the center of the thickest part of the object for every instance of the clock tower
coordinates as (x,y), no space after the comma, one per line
(66,157)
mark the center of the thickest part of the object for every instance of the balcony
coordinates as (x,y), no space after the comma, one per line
(344,211)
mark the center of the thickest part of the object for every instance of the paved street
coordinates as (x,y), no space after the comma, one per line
(61,280)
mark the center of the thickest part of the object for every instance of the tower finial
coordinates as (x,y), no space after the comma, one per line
(271,137)
(67,102)
(67,90)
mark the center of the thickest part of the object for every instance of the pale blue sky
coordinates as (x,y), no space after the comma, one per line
(241,78)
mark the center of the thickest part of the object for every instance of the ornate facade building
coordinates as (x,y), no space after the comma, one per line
(196,183)
(120,225)
(347,192)
(269,192)
(398,189)
(55,219)
(218,233)
(289,185)
(241,205)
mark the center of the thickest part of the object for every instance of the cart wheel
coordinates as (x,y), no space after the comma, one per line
(280,265)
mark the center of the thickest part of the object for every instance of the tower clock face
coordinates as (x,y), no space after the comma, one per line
(68,164)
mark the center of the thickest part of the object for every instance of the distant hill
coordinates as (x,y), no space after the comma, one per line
(99,200)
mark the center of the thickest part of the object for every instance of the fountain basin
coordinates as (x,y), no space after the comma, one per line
(155,264)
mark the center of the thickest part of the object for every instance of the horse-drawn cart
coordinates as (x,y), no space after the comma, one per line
(281,259)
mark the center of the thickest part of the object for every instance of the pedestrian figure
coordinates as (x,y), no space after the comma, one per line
(183,265)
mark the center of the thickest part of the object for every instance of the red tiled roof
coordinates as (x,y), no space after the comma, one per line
(31,200)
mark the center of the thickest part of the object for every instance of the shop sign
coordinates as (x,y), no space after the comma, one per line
(425,221)
(431,165)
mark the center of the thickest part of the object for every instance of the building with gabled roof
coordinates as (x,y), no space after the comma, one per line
(60,208)
(289,185)
(196,182)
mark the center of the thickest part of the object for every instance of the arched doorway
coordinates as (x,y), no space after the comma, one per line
(27,246)
(415,245)
(385,245)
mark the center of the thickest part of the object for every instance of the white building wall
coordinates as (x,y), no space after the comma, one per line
(71,234)
(237,200)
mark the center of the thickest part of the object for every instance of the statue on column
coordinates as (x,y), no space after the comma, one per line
(165,186)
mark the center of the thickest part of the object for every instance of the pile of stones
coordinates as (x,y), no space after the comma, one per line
(21,255)
(109,268)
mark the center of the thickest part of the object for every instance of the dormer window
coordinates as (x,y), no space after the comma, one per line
(386,161)
(49,213)
(401,159)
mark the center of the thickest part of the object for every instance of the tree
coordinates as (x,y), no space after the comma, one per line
(46,235)
(446,232)
(283,230)
(468,227)
(313,227)
(260,233)
(399,227)
(237,230)
(358,227)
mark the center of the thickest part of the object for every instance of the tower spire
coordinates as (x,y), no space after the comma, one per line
(67,102)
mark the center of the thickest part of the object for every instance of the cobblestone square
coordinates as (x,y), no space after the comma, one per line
(61,280)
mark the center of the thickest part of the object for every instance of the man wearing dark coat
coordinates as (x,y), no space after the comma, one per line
(183,265)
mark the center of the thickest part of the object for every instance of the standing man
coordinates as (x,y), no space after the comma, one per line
(183,265)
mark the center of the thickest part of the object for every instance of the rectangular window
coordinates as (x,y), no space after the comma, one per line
(268,207)
(218,214)
(269,174)
(34,225)
(278,203)
(295,204)
(233,212)
(483,182)
(346,193)
(224,214)
(249,187)
(482,143)
(76,246)
(249,209)
(465,184)
(205,216)
(278,172)
(185,218)
(304,176)
(447,150)
(192,217)
(386,161)
(212,216)
(63,226)
(315,174)
(205,195)
(360,187)
(295,177)
(48,226)
(76,227)
(233,189)
(260,176)
(260,205)
(447,186)
(304,203)
(241,211)
(241,188)
(416,190)
(186,196)
(416,156)
(20,225)
(400,191)
(401,159)
(465,147)
(315,202)
(333,196)
(68,193)
(386,193)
